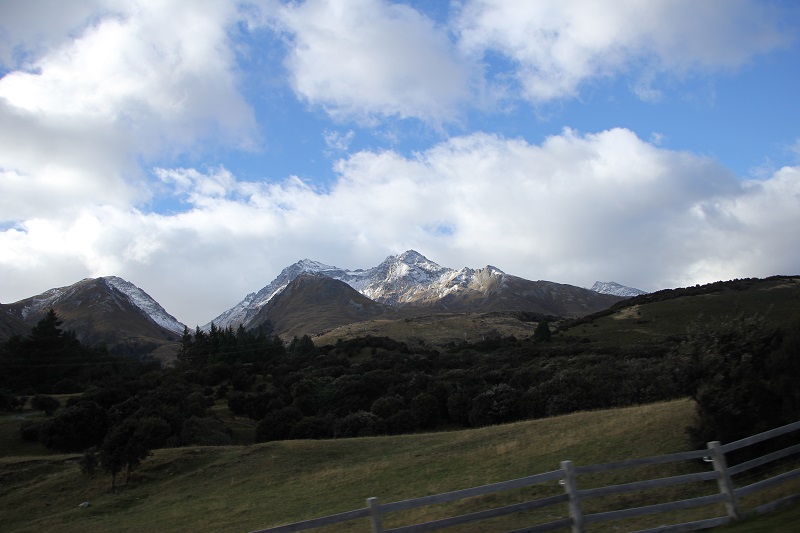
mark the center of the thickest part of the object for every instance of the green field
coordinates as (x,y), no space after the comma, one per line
(243,488)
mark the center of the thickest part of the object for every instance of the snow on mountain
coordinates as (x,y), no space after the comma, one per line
(614,288)
(399,279)
(146,303)
(118,287)
(242,312)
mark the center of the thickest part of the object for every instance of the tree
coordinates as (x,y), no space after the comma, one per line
(75,428)
(495,406)
(130,442)
(742,373)
(9,401)
(88,462)
(277,425)
(303,347)
(46,404)
(542,332)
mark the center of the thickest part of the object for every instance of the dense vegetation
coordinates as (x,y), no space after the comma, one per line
(740,371)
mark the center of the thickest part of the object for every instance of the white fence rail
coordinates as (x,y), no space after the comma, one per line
(728,494)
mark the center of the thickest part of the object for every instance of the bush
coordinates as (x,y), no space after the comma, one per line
(205,432)
(46,404)
(277,425)
(29,431)
(88,462)
(312,427)
(742,373)
(495,406)
(387,406)
(358,424)
(75,428)
(8,401)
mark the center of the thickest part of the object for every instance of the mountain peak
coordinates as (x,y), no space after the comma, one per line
(410,279)
(412,256)
(615,289)
(146,303)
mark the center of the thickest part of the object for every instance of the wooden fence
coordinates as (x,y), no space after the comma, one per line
(573,497)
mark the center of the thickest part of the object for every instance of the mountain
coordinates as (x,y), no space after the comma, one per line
(614,288)
(108,311)
(412,282)
(11,325)
(312,303)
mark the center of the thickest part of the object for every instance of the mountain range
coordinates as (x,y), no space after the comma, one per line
(307,297)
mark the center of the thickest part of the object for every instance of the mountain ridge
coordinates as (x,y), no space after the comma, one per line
(112,311)
(617,289)
(411,280)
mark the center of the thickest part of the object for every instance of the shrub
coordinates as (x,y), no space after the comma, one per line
(46,404)
(75,428)
(495,406)
(8,401)
(742,373)
(358,424)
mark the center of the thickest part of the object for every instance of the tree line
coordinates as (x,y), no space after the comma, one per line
(742,372)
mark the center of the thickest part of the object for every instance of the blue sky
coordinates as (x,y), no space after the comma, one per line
(196,148)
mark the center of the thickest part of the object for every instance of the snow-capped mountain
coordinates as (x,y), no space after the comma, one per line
(398,279)
(244,311)
(412,280)
(614,288)
(146,303)
(54,298)
(109,310)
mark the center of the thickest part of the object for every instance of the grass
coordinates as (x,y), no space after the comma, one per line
(781,521)
(646,324)
(245,488)
(653,323)
(434,330)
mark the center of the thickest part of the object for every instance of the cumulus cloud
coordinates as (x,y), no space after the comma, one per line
(110,88)
(556,46)
(93,96)
(368,59)
(575,208)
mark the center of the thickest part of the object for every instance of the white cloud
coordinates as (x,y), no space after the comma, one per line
(556,46)
(34,27)
(111,87)
(369,59)
(573,209)
(337,140)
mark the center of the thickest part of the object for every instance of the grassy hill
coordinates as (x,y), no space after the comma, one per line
(251,487)
(654,318)
(439,329)
(651,319)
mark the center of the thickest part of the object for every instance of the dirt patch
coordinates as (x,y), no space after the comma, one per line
(629,313)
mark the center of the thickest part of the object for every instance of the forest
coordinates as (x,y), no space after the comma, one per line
(741,372)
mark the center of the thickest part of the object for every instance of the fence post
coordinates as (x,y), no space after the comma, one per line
(725,483)
(571,487)
(375,515)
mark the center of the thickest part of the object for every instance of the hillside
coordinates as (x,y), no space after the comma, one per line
(107,312)
(656,319)
(439,329)
(313,303)
(665,316)
(11,325)
(238,488)
(247,488)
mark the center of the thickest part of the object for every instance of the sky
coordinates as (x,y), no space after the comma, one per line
(197,147)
